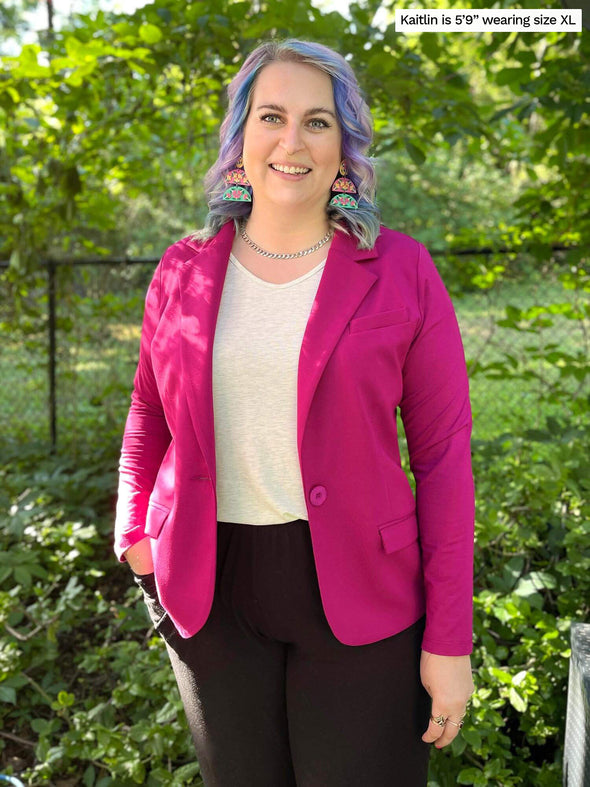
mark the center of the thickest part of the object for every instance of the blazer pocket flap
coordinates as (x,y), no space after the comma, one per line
(380,320)
(400,533)
(157,514)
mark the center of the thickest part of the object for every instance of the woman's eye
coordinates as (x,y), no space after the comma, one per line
(314,123)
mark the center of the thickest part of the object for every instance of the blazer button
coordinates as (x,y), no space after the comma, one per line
(318,495)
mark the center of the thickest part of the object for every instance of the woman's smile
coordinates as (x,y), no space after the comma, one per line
(286,169)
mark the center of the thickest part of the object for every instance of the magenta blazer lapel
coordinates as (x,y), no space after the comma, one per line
(201,285)
(343,285)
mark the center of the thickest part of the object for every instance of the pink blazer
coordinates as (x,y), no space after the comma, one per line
(382,336)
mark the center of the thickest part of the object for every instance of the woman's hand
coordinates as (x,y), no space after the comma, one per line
(139,557)
(448,681)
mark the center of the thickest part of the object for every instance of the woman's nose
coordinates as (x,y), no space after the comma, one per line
(292,139)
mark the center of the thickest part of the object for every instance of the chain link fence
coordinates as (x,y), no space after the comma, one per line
(69,353)
(69,350)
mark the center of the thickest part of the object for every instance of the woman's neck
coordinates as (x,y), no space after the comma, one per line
(285,234)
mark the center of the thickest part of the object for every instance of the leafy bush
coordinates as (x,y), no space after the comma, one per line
(532,566)
(82,683)
(532,580)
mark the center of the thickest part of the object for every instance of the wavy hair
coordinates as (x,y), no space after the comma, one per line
(356,128)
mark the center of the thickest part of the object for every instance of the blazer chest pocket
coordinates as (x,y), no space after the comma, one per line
(379,320)
(399,533)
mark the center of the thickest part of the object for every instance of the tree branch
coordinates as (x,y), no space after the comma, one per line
(17,739)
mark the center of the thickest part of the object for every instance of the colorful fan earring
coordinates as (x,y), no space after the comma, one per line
(342,190)
(237,184)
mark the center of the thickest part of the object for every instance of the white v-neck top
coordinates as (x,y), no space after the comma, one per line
(258,338)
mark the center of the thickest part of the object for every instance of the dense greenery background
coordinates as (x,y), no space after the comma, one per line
(106,128)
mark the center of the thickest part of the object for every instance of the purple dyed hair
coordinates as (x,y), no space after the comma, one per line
(356,127)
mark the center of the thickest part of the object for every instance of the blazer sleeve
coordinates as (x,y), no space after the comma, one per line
(436,414)
(146,436)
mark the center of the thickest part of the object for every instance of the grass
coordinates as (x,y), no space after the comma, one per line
(504,404)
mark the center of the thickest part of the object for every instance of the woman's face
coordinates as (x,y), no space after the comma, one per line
(292,140)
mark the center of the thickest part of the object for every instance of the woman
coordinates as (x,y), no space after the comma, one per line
(317,615)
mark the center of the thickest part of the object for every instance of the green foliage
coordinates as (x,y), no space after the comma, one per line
(532,563)
(436,203)
(80,677)
(532,579)
(12,19)
(118,109)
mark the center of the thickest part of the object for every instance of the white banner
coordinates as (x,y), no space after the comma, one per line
(492,20)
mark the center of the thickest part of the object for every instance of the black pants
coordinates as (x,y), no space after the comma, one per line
(273,699)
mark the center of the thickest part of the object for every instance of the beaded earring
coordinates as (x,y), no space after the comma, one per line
(342,190)
(237,184)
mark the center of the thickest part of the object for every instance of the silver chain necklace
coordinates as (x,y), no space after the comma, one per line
(274,255)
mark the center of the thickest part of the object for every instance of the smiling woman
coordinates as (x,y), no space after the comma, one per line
(316,612)
(342,111)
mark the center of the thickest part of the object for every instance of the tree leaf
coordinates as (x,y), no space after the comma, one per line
(150,33)
(517,700)
(416,154)
(7,694)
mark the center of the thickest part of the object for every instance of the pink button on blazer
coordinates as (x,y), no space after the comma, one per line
(381,338)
